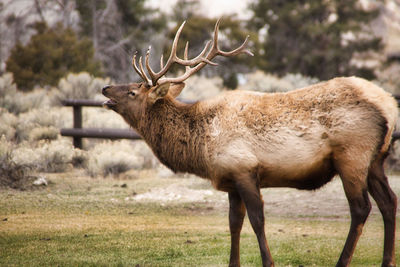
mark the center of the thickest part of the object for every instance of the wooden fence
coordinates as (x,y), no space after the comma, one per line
(77,132)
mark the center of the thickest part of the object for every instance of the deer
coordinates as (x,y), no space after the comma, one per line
(242,141)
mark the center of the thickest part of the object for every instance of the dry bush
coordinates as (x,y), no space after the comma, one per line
(54,156)
(17,102)
(44,133)
(102,118)
(12,174)
(389,78)
(265,82)
(55,117)
(80,158)
(298,80)
(200,87)
(80,86)
(8,125)
(262,82)
(8,93)
(115,157)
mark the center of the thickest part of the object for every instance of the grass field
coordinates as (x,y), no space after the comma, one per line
(82,221)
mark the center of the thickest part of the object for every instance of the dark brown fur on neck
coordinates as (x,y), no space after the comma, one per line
(177,135)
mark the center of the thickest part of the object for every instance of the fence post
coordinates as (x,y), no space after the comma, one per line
(77,141)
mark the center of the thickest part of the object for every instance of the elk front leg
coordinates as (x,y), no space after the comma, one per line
(248,187)
(237,212)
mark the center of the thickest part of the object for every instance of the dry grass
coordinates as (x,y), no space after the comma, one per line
(83,221)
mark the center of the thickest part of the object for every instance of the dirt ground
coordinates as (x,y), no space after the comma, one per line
(328,201)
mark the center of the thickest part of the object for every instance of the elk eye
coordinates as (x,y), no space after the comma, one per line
(131,93)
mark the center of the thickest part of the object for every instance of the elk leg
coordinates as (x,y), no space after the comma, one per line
(360,206)
(237,211)
(386,200)
(248,188)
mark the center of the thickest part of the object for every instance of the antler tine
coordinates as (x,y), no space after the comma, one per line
(185,55)
(162,61)
(136,67)
(172,58)
(201,61)
(134,64)
(149,69)
(215,37)
(240,49)
(144,76)
(191,65)
(234,52)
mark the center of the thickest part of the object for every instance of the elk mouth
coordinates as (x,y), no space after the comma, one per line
(110,104)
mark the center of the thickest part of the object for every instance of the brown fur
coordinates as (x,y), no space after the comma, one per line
(243,141)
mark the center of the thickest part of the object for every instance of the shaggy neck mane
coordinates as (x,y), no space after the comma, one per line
(177,134)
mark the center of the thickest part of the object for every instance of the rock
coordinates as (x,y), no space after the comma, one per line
(40,181)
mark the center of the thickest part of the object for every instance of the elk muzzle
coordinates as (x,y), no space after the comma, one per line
(110,104)
(104,90)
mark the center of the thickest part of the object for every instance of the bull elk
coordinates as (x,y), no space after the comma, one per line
(243,141)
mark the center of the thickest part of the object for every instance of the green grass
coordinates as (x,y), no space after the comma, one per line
(79,221)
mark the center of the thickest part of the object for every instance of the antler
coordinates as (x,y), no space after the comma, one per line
(191,65)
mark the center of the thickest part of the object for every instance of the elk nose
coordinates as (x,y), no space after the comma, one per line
(105,88)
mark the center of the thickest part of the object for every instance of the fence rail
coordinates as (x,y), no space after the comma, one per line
(77,132)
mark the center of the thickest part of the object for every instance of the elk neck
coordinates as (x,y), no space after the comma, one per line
(178,134)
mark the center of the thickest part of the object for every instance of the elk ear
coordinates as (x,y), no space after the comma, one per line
(176,89)
(159,91)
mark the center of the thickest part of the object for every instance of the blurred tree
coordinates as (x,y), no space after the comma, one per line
(185,9)
(117,28)
(17,18)
(50,55)
(198,30)
(316,38)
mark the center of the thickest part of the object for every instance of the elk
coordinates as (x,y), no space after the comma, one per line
(243,141)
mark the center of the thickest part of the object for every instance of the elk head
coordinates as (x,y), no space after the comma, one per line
(131,100)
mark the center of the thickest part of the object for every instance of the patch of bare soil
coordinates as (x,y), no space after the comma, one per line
(328,201)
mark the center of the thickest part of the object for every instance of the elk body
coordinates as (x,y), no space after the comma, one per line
(244,141)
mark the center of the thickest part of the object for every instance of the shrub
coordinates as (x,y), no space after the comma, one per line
(298,80)
(389,78)
(49,55)
(12,174)
(200,87)
(8,93)
(8,124)
(17,102)
(44,117)
(80,86)
(54,156)
(44,133)
(80,158)
(102,118)
(265,82)
(115,157)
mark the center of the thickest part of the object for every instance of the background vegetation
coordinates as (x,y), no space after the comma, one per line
(113,203)
(50,55)
(99,36)
(315,38)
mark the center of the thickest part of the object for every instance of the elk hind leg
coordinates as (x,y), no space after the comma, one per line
(237,211)
(354,184)
(386,200)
